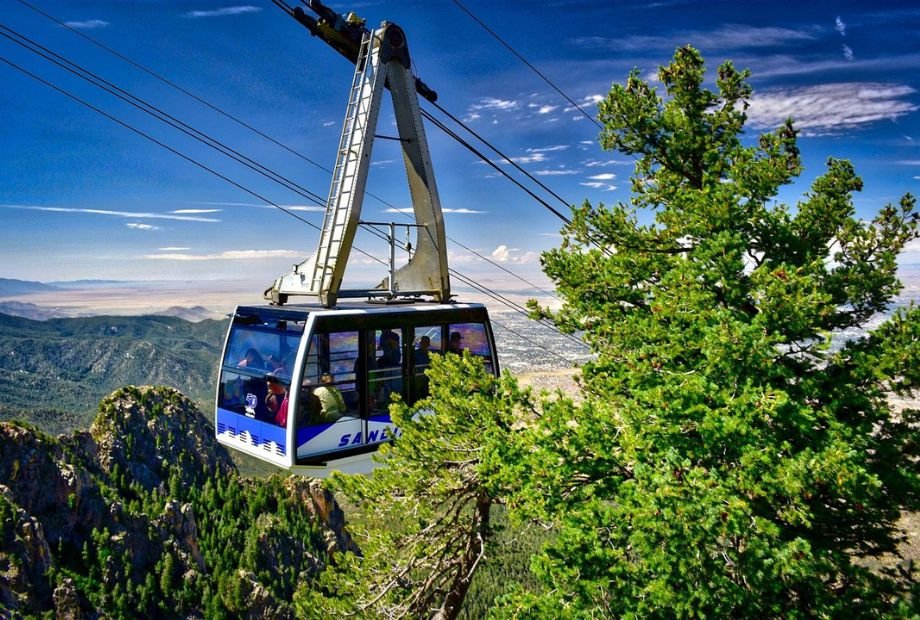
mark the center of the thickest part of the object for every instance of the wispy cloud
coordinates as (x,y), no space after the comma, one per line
(491,103)
(555,173)
(173,249)
(460,211)
(195,211)
(223,12)
(129,214)
(548,149)
(606,176)
(599,185)
(88,24)
(840,27)
(603,163)
(463,211)
(848,53)
(310,208)
(780,65)
(729,36)
(227,255)
(831,108)
(139,226)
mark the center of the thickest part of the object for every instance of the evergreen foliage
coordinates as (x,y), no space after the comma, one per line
(727,461)
(424,523)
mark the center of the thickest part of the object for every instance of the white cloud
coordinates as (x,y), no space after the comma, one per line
(555,173)
(548,149)
(533,158)
(504,254)
(491,103)
(848,53)
(195,211)
(173,249)
(228,255)
(227,10)
(606,176)
(546,109)
(603,163)
(729,36)
(840,27)
(463,211)
(131,214)
(604,187)
(831,108)
(88,24)
(139,226)
(311,208)
(778,65)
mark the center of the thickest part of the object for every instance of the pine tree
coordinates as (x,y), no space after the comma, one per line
(728,460)
(425,518)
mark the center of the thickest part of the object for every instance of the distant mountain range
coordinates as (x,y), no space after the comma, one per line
(31,311)
(70,364)
(23,287)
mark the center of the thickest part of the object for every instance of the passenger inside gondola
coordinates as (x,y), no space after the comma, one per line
(388,374)
(455,346)
(252,360)
(330,401)
(277,401)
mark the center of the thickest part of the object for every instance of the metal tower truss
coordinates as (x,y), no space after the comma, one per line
(381,60)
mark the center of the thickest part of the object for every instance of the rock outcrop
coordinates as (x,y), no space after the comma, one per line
(104,523)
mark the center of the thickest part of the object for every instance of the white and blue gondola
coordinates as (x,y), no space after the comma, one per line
(303,385)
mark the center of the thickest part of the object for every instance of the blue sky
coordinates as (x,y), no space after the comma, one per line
(82,197)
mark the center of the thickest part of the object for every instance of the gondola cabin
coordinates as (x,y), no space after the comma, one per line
(307,386)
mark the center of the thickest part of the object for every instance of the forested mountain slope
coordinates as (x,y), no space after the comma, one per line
(145,516)
(69,365)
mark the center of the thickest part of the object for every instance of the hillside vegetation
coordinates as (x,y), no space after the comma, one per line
(145,516)
(68,365)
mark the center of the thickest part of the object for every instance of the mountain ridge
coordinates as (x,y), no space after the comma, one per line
(89,519)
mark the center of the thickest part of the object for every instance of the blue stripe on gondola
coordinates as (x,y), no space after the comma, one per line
(307,433)
(383,417)
(261,433)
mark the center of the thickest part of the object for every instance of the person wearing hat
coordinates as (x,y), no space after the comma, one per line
(453,346)
(331,403)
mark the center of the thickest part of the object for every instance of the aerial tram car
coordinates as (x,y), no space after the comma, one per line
(307,387)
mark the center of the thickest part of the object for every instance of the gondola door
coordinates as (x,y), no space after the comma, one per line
(328,410)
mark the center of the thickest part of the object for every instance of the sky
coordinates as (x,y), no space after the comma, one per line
(83,197)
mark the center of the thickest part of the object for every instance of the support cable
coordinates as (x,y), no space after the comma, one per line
(176,86)
(499,298)
(287,8)
(152,110)
(169,148)
(144,106)
(524,60)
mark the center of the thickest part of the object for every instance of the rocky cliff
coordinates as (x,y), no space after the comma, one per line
(145,515)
